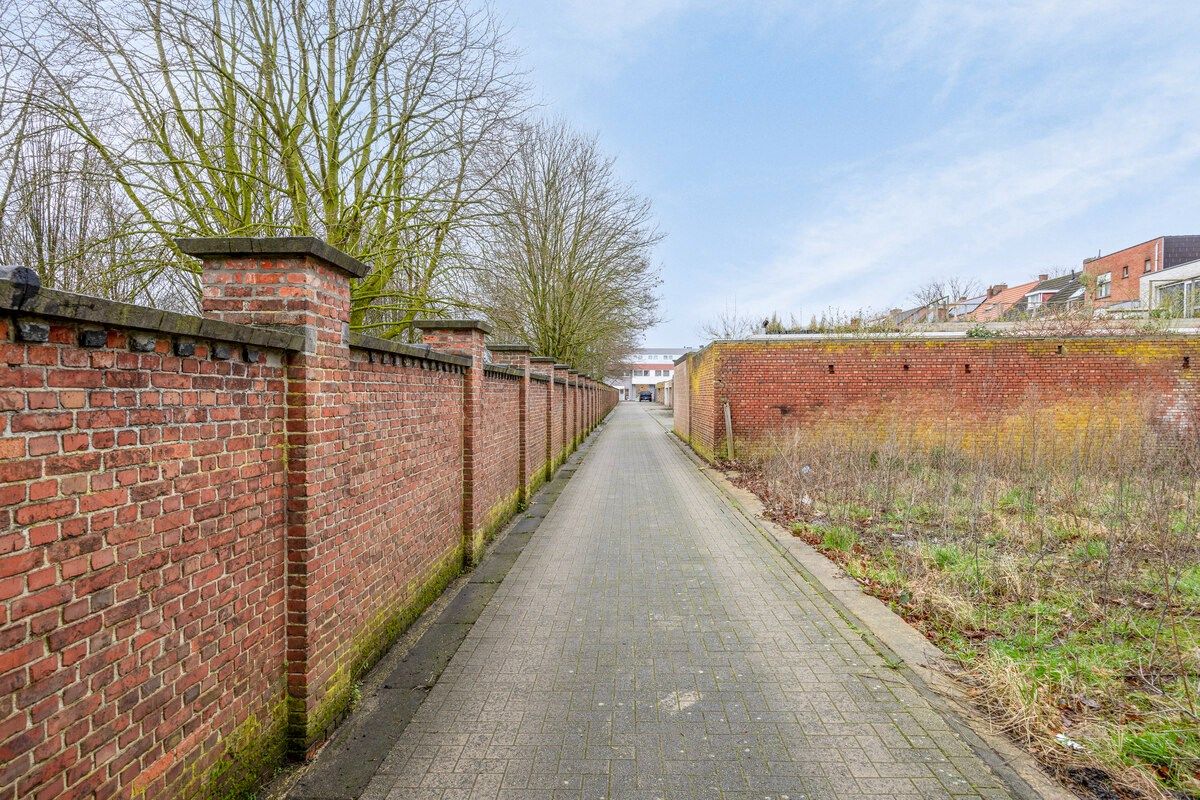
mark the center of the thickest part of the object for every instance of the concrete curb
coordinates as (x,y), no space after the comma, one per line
(921,661)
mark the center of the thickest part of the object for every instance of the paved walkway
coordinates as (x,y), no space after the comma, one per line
(648,644)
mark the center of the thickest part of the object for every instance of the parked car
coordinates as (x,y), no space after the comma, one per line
(647,396)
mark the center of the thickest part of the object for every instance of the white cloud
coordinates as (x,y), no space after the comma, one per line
(1090,132)
(606,20)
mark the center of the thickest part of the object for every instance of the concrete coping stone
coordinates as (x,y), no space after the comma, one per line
(541,360)
(560,381)
(539,376)
(453,325)
(273,246)
(84,308)
(504,369)
(510,348)
(958,336)
(422,351)
(562,366)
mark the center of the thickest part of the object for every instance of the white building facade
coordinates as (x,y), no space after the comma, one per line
(647,368)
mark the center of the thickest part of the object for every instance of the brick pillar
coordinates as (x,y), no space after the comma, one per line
(545,366)
(465,337)
(517,355)
(304,284)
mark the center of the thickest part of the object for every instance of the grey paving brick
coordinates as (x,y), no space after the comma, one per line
(647,644)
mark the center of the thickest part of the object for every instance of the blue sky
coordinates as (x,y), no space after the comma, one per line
(805,156)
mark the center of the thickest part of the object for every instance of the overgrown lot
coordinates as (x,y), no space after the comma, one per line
(1060,571)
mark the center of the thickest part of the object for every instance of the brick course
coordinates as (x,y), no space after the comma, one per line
(211,527)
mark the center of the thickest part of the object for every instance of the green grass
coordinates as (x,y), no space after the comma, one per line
(1075,607)
(1189,583)
(839,537)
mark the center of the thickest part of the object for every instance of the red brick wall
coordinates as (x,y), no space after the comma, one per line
(536,463)
(400,513)
(142,564)
(975,384)
(572,411)
(557,405)
(497,477)
(201,552)
(696,403)
(682,402)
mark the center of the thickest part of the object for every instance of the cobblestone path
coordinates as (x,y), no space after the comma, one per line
(648,644)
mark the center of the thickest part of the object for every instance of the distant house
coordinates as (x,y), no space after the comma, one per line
(645,370)
(1071,296)
(937,311)
(1175,290)
(1000,299)
(964,306)
(1045,296)
(1116,277)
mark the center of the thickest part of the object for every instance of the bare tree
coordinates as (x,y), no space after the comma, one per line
(945,290)
(730,324)
(371,123)
(566,265)
(60,213)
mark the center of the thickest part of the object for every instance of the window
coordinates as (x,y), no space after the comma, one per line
(1124,272)
(1033,302)
(1104,285)
(1147,266)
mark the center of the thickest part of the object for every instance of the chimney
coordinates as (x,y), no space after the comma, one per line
(997,289)
(1043,277)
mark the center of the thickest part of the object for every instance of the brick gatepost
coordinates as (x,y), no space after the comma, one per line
(517,355)
(302,284)
(466,337)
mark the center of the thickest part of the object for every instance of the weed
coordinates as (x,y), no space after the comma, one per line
(1060,565)
(1092,550)
(839,537)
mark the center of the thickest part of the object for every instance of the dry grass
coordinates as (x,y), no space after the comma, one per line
(1061,571)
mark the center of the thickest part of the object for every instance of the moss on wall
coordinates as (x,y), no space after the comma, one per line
(493,521)
(365,649)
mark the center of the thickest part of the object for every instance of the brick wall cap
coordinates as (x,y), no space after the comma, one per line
(273,246)
(562,366)
(1005,331)
(422,351)
(453,325)
(504,369)
(541,360)
(84,308)
(510,348)
(560,381)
